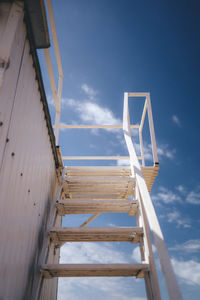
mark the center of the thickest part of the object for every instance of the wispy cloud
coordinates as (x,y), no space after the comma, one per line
(188,271)
(92,113)
(108,288)
(91,253)
(175,217)
(176,120)
(96,287)
(123,162)
(193,197)
(165,151)
(191,246)
(166,196)
(89,91)
(136,256)
(181,189)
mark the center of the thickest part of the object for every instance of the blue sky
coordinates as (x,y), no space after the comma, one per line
(108,48)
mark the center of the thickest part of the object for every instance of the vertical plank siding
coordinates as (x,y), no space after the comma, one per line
(27,176)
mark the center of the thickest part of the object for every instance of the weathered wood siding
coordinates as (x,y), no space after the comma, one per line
(27,175)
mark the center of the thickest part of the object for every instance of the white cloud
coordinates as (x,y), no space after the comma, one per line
(91,253)
(176,120)
(166,196)
(193,197)
(191,246)
(90,92)
(123,162)
(101,288)
(164,151)
(92,113)
(188,271)
(136,254)
(175,217)
(181,189)
(106,288)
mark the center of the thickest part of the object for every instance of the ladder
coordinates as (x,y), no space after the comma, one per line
(114,189)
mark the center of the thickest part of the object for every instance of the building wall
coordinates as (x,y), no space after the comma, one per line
(28,177)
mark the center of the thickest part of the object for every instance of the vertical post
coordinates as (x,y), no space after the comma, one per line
(141,147)
(127,132)
(152,132)
(151,279)
(57,126)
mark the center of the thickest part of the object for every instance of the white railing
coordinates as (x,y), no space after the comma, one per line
(57,96)
(144,196)
(146,110)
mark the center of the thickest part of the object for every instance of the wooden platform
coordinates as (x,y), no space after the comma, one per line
(150,174)
(93,206)
(96,234)
(102,182)
(94,270)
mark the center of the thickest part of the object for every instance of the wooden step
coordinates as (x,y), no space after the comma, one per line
(94,270)
(93,206)
(114,172)
(103,182)
(96,234)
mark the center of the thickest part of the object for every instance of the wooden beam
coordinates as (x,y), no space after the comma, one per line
(91,206)
(89,220)
(95,234)
(94,270)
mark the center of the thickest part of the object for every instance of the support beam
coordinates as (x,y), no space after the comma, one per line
(93,206)
(95,234)
(94,270)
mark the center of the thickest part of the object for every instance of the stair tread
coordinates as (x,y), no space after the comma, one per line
(110,173)
(96,234)
(93,270)
(103,182)
(89,206)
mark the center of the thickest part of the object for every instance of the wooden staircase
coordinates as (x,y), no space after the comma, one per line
(96,190)
(99,190)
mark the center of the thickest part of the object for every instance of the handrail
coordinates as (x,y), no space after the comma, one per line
(66,126)
(98,157)
(146,109)
(173,289)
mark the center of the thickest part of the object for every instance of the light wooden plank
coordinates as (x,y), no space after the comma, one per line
(89,220)
(96,234)
(94,270)
(89,206)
